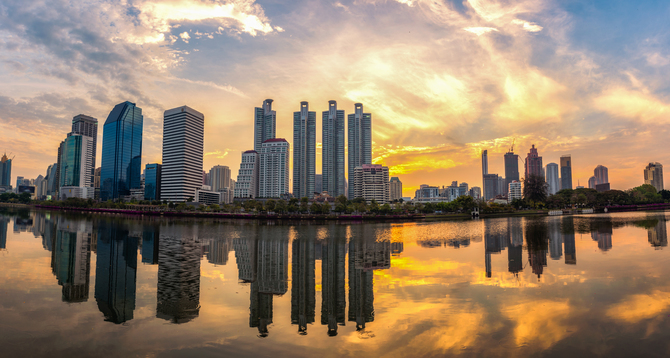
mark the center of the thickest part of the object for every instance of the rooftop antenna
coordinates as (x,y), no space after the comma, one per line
(511,149)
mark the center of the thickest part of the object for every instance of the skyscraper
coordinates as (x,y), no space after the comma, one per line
(533,164)
(371,182)
(247,178)
(304,151)
(152,181)
(121,151)
(360,142)
(566,172)
(332,154)
(219,177)
(5,171)
(485,172)
(183,143)
(273,177)
(601,175)
(511,168)
(552,178)
(490,186)
(395,189)
(303,293)
(333,303)
(76,160)
(592,182)
(265,120)
(653,175)
(88,126)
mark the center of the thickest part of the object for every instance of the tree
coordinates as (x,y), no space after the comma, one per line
(270,205)
(190,199)
(665,194)
(535,189)
(341,200)
(281,206)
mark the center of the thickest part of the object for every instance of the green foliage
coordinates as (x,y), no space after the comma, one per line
(535,189)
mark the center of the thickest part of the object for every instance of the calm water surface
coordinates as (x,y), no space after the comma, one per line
(89,285)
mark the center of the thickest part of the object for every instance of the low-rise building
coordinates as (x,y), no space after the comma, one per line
(371,182)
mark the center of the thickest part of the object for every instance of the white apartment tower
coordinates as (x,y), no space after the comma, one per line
(183,144)
(273,168)
(360,142)
(332,153)
(265,120)
(304,151)
(247,178)
(371,182)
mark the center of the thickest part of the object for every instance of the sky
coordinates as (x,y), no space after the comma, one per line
(443,79)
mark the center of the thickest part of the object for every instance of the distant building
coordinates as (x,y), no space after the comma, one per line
(76,163)
(533,163)
(359,141)
(87,126)
(371,182)
(219,177)
(427,191)
(304,151)
(152,181)
(551,177)
(5,172)
(653,175)
(602,187)
(205,195)
(490,186)
(52,182)
(463,189)
(332,157)
(183,144)
(265,120)
(121,151)
(502,187)
(566,172)
(485,169)
(514,191)
(273,166)
(475,192)
(247,177)
(318,183)
(592,182)
(511,168)
(601,174)
(395,189)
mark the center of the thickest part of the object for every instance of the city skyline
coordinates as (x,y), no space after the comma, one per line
(575,83)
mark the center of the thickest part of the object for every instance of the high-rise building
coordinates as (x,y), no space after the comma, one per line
(273,177)
(514,191)
(592,183)
(490,186)
(566,172)
(5,172)
(265,120)
(653,175)
(51,180)
(183,144)
(511,168)
(395,189)
(502,189)
(371,182)
(152,181)
(87,126)
(121,151)
(303,288)
(475,192)
(359,142)
(333,274)
(552,178)
(533,164)
(219,177)
(462,189)
(332,153)
(76,163)
(601,175)
(247,178)
(485,170)
(318,183)
(304,151)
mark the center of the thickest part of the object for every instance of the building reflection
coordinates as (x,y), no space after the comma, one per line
(178,292)
(555,238)
(150,244)
(601,231)
(515,245)
(4,222)
(303,292)
(333,295)
(218,251)
(71,259)
(537,240)
(494,242)
(116,272)
(658,234)
(568,232)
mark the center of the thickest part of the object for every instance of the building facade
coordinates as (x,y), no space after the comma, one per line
(332,154)
(152,181)
(511,168)
(601,175)
(359,142)
(121,166)
(219,177)
(76,162)
(592,183)
(5,172)
(490,186)
(533,165)
(566,172)
(551,178)
(265,120)
(183,144)
(653,175)
(87,126)
(247,177)
(371,182)
(273,168)
(395,189)
(514,191)
(304,151)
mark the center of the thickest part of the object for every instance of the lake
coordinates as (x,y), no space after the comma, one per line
(83,285)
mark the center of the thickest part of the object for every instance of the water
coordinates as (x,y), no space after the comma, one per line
(92,285)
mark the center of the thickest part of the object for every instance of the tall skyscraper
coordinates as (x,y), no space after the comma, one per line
(490,186)
(533,164)
(653,175)
(395,189)
(183,144)
(70,261)
(265,120)
(303,293)
(566,172)
(592,182)
(152,181)
(371,182)
(360,142)
(76,160)
(552,178)
(511,168)
(318,183)
(219,177)
(121,151)
(5,171)
(304,151)
(333,303)
(601,175)
(88,126)
(273,177)
(247,178)
(332,154)
(485,172)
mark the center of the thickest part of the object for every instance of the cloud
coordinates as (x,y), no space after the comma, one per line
(480,30)
(185,36)
(528,26)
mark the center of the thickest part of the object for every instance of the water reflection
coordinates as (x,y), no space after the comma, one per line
(71,259)
(333,260)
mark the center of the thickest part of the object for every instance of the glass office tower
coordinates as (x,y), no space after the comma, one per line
(152,182)
(121,151)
